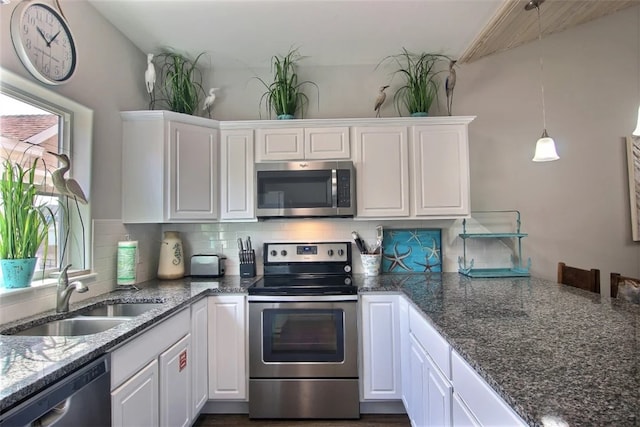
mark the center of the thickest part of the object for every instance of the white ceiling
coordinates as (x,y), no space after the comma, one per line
(247,33)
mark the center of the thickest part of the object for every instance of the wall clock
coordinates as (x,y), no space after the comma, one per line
(43,41)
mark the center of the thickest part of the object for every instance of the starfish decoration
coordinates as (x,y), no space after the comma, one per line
(414,235)
(428,267)
(433,251)
(397,260)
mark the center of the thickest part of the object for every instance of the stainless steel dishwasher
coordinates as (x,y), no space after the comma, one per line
(80,399)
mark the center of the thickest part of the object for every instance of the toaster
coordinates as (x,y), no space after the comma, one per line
(203,265)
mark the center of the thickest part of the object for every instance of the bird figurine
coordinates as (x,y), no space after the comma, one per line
(209,100)
(380,100)
(66,186)
(150,78)
(449,84)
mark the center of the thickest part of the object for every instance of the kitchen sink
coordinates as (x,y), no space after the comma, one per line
(121,309)
(73,326)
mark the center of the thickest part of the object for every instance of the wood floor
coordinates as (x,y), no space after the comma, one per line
(377,420)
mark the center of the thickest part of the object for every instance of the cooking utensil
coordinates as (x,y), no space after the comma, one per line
(379,236)
(362,247)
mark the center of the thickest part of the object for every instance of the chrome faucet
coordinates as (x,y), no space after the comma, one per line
(65,289)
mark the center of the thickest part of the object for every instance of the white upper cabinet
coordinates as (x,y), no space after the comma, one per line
(440,171)
(382,171)
(237,198)
(169,167)
(415,169)
(296,143)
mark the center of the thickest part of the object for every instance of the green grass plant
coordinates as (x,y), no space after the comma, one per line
(180,81)
(284,95)
(420,73)
(24,224)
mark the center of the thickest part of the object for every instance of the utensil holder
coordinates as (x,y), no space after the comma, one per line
(371,264)
(247,263)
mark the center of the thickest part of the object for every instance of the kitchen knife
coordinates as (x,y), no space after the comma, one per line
(359,242)
(249,243)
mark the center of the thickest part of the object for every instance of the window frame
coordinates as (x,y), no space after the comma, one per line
(77,133)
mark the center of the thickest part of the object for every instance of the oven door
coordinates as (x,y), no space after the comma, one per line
(302,339)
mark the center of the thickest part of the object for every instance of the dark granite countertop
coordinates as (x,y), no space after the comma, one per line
(29,364)
(558,355)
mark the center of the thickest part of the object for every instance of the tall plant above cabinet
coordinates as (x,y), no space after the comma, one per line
(169,167)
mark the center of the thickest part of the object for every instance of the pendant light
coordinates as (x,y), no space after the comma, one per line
(545,147)
(636,132)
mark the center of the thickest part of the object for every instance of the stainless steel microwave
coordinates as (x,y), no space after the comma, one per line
(305,189)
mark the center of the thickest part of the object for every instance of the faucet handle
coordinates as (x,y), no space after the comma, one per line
(64,277)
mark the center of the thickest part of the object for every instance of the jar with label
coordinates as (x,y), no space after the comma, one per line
(171,263)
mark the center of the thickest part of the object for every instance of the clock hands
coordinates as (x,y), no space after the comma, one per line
(48,42)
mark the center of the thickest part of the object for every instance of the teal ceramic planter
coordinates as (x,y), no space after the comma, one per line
(285,117)
(419,114)
(17,273)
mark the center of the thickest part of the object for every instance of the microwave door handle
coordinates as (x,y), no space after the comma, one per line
(334,188)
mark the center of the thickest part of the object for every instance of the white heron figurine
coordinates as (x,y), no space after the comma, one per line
(449,84)
(66,186)
(380,100)
(150,78)
(209,100)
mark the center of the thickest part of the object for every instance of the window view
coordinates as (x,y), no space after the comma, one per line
(28,133)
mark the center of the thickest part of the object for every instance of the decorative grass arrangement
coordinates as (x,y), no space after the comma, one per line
(180,81)
(24,224)
(284,96)
(420,73)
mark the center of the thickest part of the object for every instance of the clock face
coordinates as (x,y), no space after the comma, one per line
(43,41)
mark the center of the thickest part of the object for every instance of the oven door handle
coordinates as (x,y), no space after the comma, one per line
(301,298)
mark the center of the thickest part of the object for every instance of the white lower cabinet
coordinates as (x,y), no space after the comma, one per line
(151,376)
(199,362)
(461,415)
(478,400)
(135,402)
(381,347)
(175,384)
(227,346)
(405,372)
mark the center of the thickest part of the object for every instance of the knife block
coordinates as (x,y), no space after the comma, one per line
(248,263)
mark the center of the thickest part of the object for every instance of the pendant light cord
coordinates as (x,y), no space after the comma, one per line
(544,114)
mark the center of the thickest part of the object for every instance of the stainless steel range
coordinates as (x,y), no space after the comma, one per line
(303,345)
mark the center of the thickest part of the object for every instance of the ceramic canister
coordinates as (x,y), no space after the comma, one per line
(171,263)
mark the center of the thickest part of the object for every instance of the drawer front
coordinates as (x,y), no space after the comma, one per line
(431,340)
(134,355)
(487,407)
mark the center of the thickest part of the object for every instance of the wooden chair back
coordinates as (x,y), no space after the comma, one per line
(626,288)
(584,279)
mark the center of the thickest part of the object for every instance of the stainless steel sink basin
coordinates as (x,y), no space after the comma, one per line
(122,309)
(73,326)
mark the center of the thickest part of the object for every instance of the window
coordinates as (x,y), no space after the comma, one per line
(34,123)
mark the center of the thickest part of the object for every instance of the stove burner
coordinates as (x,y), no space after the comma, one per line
(304,285)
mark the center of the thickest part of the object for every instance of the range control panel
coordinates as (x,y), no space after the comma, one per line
(307,252)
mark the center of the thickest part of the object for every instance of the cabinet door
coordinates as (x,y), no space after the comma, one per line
(280,144)
(439,391)
(381,356)
(135,402)
(440,171)
(382,163)
(199,367)
(236,175)
(461,415)
(227,344)
(405,373)
(193,169)
(175,384)
(417,409)
(327,143)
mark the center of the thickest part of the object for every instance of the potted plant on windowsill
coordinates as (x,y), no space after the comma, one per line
(284,95)
(421,83)
(24,221)
(180,81)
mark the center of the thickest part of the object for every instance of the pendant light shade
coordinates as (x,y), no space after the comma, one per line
(637,131)
(545,149)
